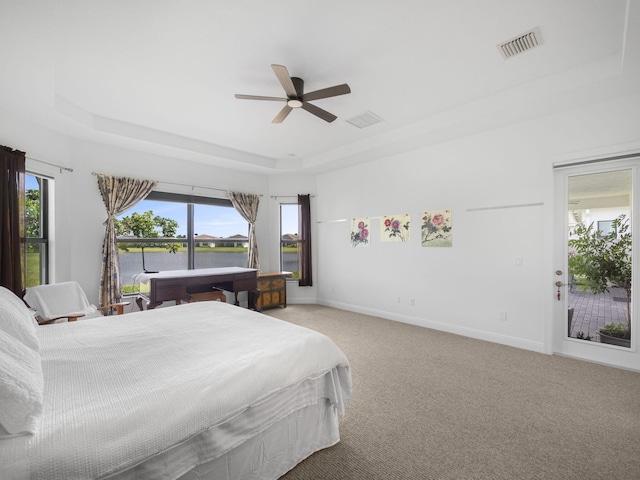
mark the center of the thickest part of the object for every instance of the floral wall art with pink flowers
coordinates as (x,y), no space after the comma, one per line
(360,232)
(436,229)
(395,228)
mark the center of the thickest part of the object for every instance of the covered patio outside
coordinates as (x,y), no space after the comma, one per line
(592,312)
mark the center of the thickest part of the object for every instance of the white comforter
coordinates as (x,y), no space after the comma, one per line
(119,390)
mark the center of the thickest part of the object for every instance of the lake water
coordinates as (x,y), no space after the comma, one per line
(131,263)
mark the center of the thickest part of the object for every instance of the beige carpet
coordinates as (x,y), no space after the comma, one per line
(432,405)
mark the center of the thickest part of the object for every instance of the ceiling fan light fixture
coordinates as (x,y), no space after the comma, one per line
(296,98)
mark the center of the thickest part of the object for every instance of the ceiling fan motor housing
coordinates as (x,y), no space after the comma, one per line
(298,83)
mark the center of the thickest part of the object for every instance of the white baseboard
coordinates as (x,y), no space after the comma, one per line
(302,301)
(444,327)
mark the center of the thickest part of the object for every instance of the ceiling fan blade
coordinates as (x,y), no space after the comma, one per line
(327,92)
(256,97)
(285,80)
(319,112)
(282,115)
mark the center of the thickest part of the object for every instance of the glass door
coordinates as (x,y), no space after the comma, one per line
(593,314)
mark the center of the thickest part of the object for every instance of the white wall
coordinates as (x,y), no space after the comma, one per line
(77,227)
(463,289)
(466,288)
(90,212)
(78,231)
(43,144)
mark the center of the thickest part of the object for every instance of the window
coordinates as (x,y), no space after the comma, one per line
(289,239)
(605,228)
(37,229)
(179,232)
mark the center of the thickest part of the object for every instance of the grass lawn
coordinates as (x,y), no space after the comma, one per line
(33,269)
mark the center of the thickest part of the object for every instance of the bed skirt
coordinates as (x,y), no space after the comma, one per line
(268,439)
(277,450)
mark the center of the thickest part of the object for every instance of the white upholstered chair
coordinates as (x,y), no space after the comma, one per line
(58,301)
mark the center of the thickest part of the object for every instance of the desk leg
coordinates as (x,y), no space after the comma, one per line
(141,301)
(254,295)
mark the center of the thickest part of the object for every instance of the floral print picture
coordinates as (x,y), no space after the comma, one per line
(436,229)
(360,232)
(395,228)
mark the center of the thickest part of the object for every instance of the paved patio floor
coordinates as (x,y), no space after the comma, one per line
(592,312)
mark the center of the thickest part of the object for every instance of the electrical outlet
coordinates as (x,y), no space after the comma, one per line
(397,299)
(412,302)
(503,316)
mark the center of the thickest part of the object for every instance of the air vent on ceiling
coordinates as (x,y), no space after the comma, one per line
(365,120)
(520,44)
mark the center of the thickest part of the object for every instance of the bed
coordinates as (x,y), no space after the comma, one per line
(195,391)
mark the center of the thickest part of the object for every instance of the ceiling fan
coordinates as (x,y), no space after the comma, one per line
(296,98)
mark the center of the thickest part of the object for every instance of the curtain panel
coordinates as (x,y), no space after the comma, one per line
(304,245)
(119,194)
(12,220)
(247,205)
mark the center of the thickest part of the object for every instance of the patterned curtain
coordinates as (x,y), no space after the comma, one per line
(304,244)
(12,225)
(247,205)
(119,194)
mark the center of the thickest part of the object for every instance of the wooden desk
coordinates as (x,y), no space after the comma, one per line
(179,285)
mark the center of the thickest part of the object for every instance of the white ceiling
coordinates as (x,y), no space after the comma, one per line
(160,75)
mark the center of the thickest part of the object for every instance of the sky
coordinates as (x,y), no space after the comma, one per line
(209,220)
(30,182)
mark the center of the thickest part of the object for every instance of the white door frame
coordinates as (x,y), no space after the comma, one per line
(557,338)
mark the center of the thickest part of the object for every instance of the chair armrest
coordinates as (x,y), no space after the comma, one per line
(72,317)
(118,306)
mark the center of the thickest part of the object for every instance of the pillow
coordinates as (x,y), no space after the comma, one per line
(17,320)
(11,297)
(21,387)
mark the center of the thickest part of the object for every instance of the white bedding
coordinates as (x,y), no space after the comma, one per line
(192,381)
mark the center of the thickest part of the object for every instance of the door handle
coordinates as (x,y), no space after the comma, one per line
(559,284)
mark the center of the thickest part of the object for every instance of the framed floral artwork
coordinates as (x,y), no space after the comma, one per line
(437,229)
(395,228)
(360,232)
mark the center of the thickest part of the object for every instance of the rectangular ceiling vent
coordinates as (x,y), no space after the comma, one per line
(365,120)
(520,44)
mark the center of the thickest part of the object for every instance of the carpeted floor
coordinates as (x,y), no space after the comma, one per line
(432,405)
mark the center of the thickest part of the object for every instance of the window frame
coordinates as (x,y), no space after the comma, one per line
(189,201)
(44,239)
(295,273)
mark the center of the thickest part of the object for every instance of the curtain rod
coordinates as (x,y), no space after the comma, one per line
(596,160)
(288,196)
(193,186)
(68,169)
(180,184)
(499,207)
(198,186)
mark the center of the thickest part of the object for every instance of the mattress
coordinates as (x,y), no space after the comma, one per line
(157,394)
